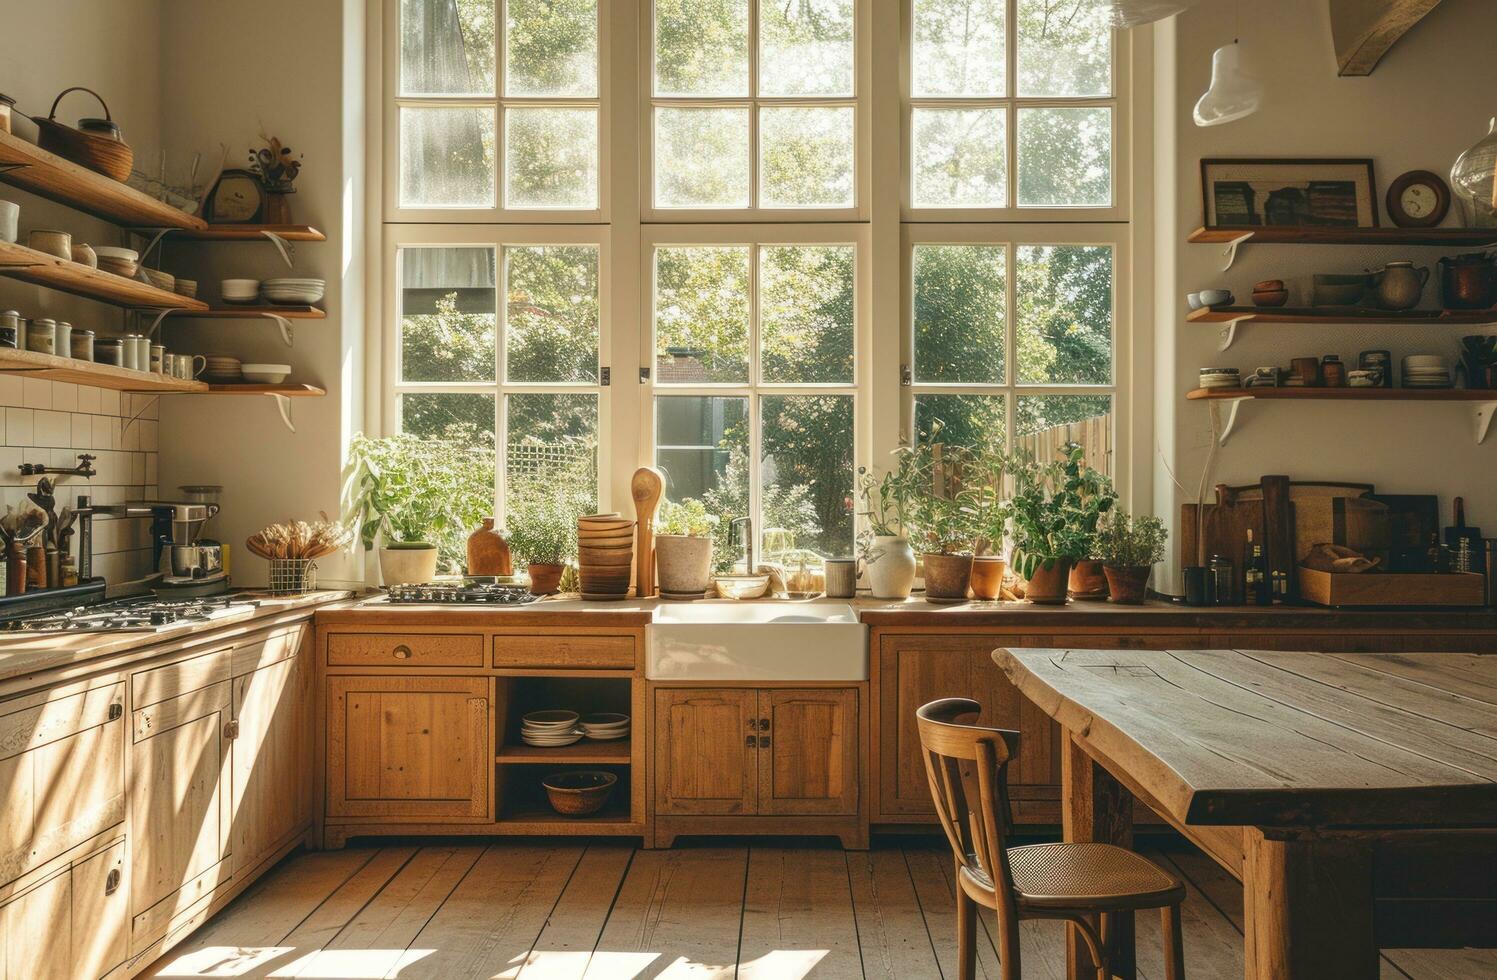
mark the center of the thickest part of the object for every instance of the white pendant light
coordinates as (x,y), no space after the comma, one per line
(1232,94)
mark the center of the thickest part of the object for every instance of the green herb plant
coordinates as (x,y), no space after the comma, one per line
(688,518)
(405,490)
(1124,541)
(1055,509)
(544,532)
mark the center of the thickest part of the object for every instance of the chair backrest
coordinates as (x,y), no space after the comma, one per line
(967,766)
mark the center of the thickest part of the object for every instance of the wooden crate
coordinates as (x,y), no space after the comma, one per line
(1389,589)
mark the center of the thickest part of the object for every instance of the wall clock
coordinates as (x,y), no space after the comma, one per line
(237,198)
(1418,199)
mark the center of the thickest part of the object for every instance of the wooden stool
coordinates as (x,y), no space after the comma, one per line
(1083,884)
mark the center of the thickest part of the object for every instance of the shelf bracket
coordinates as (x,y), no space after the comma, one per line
(284,324)
(138,413)
(283,405)
(286,249)
(1229,251)
(1228,332)
(1234,405)
(1485,411)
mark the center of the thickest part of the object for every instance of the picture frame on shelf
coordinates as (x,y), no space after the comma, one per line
(1248,192)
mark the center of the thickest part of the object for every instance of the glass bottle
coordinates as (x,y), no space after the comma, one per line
(1472,180)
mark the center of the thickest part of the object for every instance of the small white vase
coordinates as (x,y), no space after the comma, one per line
(891,567)
(407,566)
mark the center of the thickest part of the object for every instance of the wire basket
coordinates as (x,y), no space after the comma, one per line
(291,576)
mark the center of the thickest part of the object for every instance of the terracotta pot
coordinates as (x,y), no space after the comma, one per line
(1129,584)
(947,577)
(488,552)
(987,576)
(1087,581)
(684,563)
(1047,586)
(544,579)
(408,565)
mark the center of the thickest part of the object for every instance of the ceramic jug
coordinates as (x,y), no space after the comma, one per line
(488,552)
(891,567)
(1399,285)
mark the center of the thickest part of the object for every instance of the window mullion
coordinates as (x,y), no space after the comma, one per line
(1011,339)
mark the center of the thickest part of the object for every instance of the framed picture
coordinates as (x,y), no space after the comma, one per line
(1249,193)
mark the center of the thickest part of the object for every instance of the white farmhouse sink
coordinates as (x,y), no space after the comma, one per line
(756,641)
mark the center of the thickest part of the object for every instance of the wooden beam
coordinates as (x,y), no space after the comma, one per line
(1364,30)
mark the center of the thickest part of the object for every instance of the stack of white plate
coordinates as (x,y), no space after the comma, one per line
(606,727)
(1426,371)
(298,292)
(550,728)
(1220,378)
(239,290)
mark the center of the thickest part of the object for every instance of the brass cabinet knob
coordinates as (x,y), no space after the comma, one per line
(402,652)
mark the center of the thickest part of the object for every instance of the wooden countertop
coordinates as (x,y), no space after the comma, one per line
(23,654)
(559,611)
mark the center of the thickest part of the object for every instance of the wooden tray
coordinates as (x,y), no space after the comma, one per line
(1390,589)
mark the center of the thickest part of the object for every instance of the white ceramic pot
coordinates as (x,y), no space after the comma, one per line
(407,566)
(10,217)
(684,563)
(891,567)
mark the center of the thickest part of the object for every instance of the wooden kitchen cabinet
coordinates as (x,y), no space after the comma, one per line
(706,754)
(272,750)
(71,925)
(409,747)
(810,764)
(916,669)
(36,931)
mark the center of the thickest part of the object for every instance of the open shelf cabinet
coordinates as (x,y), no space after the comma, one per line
(31,168)
(241,233)
(1483,402)
(50,367)
(63,275)
(1311,235)
(253,312)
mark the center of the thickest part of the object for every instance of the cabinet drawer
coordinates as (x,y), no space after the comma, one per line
(565,652)
(404,650)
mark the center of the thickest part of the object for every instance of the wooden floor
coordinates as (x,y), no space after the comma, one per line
(609,912)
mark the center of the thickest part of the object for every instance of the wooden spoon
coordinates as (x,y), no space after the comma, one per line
(646,488)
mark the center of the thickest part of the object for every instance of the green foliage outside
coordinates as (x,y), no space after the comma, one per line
(406,489)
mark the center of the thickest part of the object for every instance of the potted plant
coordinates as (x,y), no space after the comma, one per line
(947,512)
(1055,509)
(543,536)
(991,523)
(1130,547)
(683,547)
(888,507)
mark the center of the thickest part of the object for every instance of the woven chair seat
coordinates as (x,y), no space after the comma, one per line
(1089,876)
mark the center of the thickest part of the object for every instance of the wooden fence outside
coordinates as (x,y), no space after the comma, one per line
(1094,435)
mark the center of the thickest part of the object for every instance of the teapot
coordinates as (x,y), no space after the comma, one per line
(1399,285)
(1469,281)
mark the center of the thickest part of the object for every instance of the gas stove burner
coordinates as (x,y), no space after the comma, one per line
(131,614)
(468,593)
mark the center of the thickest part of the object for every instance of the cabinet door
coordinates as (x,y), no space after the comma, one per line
(914,670)
(808,758)
(272,756)
(705,751)
(101,913)
(36,932)
(180,803)
(409,747)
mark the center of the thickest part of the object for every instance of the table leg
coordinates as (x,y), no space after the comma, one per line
(1095,807)
(1308,909)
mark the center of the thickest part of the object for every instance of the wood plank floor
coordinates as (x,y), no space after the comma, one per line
(605,911)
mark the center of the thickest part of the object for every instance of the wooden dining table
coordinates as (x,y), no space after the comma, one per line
(1354,795)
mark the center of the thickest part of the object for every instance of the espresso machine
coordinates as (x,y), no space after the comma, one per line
(189,564)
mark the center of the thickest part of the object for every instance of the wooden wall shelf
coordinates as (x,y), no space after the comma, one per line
(1291,235)
(29,265)
(242,233)
(1333,314)
(253,312)
(282,390)
(33,169)
(52,368)
(586,751)
(1349,394)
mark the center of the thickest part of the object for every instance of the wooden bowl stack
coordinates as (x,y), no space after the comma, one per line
(605,555)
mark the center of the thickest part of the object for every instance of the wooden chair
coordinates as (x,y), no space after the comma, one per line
(968,770)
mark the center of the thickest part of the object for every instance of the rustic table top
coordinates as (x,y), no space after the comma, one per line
(1293,740)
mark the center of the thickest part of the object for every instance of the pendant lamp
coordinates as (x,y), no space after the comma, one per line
(1232,95)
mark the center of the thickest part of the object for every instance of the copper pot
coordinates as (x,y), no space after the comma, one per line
(1468,282)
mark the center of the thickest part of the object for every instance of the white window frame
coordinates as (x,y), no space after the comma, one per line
(754,236)
(1012,236)
(862,128)
(391,102)
(1011,103)
(398,236)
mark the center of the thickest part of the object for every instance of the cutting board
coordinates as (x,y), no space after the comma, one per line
(1413,518)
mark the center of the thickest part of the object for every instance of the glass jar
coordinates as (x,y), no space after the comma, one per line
(82,343)
(10,329)
(41,336)
(62,339)
(1223,580)
(109,351)
(1472,180)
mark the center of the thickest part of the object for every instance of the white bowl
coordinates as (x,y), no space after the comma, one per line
(265,374)
(113,252)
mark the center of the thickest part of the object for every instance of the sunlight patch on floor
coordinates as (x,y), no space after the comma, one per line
(542,964)
(782,964)
(223,961)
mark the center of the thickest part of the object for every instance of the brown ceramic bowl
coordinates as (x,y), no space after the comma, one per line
(579,792)
(605,557)
(1271,297)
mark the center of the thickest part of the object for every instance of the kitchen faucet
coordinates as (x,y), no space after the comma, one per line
(85,468)
(748,540)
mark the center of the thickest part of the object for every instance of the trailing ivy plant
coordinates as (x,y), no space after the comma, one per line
(1125,541)
(1056,508)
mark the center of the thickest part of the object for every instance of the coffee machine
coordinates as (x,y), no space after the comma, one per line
(189,564)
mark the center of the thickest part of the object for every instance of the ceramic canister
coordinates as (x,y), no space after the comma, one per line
(62,339)
(109,351)
(83,344)
(42,336)
(137,352)
(10,328)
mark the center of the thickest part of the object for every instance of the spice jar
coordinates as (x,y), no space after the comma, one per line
(109,351)
(82,344)
(41,336)
(10,329)
(1332,371)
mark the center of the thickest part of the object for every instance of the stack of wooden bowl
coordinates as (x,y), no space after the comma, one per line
(605,555)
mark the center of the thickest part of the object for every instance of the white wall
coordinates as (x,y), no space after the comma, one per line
(1429,99)
(114,49)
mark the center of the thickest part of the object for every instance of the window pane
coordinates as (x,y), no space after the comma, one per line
(806,157)
(1065,157)
(551,311)
(551,48)
(701,315)
(701,48)
(1064,294)
(1044,423)
(552,450)
(959,158)
(807,474)
(702,447)
(447,315)
(447,158)
(1065,48)
(958,48)
(806,314)
(973,421)
(446,48)
(805,48)
(551,158)
(686,140)
(959,313)
(466,419)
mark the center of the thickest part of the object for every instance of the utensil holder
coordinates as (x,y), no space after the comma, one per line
(292,576)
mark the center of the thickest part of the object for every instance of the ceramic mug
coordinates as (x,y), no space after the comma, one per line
(58,243)
(186,366)
(10,218)
(841,577)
